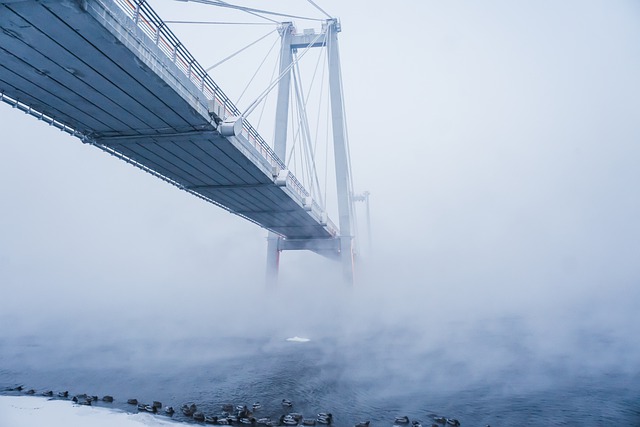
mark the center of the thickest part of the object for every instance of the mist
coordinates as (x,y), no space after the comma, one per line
(499,142)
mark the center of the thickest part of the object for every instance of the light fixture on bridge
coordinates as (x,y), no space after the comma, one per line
(231,126)
(281,179)
(308,203)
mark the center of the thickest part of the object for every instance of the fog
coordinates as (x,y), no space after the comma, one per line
(499,141)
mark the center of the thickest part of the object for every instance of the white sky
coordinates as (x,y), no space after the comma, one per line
(499,141)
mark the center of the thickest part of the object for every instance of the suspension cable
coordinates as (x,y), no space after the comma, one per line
(310,157)
(294,133)
(239,51)
(218,23)
(313,78)
(273,84)
(256,73)
(316,139)
(304,155)
(320,9)
(264,103)
(221,3)
(326,149)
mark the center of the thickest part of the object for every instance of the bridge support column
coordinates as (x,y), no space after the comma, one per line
(280,139)
(344,243)
(341,150)
(273,260)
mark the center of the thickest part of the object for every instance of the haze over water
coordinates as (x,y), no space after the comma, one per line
(500,145)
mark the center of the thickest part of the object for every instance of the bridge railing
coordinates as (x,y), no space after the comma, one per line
(152,25)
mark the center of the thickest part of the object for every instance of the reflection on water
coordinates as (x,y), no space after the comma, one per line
(485,376)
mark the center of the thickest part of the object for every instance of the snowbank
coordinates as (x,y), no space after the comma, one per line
(30,411)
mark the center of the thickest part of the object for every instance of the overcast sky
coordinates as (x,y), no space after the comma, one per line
(499,141)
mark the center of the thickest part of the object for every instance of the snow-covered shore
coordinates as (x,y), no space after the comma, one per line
(30,411)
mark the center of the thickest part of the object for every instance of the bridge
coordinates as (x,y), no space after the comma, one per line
(111,73)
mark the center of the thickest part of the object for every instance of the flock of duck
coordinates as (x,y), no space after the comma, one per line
(234,415)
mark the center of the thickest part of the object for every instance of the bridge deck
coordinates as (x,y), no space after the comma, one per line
(93,67)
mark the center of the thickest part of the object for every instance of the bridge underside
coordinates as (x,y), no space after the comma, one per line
(89,66)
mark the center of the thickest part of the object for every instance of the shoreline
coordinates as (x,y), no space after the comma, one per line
(29,411)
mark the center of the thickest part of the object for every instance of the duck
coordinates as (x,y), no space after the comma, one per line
(256,406)
(132,401)
(453,422)
(107,398)
(440,420)
(288,420)
(156,404)
(287,403)
(402,420)
(189,409)
(142,407)
(210,419)
(169,410)
(224,421)
(31,391)
(324,418)
(82,400)
(363,424)
(416,423)
(296,415)
(308,422)
(243,411)
(151,408)
(48,393)
(246,420)
(227,407)
(63,394)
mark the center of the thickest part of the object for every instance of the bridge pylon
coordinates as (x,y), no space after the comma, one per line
(341,247)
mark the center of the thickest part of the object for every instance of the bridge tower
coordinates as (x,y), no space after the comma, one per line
(342,247)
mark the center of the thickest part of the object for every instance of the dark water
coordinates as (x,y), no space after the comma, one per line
(366,377)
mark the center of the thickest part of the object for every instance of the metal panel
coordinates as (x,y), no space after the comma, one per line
(59,68)
(112,61)
(20,87)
